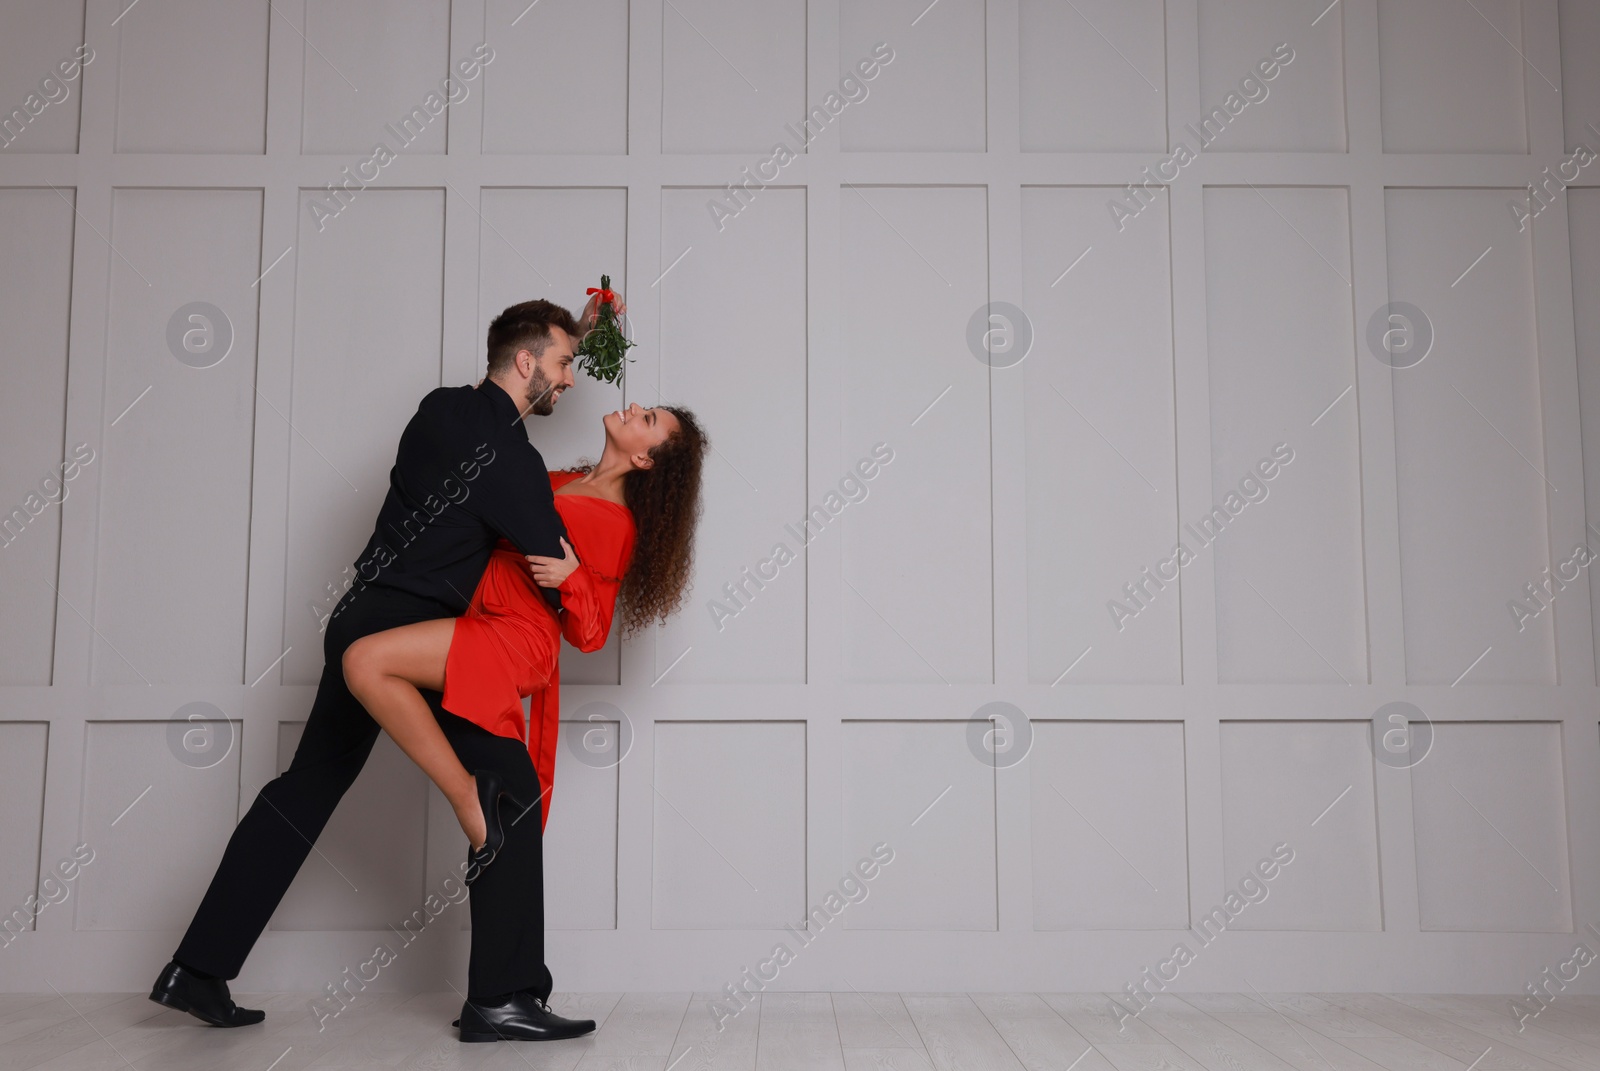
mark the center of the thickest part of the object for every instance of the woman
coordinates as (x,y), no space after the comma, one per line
(631,517)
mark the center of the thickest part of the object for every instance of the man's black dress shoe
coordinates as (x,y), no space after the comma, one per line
(522,1018)
(206,1000)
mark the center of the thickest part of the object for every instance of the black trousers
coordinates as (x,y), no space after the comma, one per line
(276,834)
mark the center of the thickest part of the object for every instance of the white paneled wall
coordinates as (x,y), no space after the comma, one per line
(173,537)
(1269,770)
(1077,557)
(1468,451)
(897,532)
(1280,332)
(734,341)
(1105,858)
(133,889)
(35,301)
(22,760)
(1526,759)
(710,775)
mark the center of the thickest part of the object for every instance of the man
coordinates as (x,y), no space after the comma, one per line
(465,474)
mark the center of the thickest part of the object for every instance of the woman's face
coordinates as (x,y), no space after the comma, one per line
(636,430)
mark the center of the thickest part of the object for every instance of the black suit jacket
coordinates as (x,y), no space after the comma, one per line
(464,475)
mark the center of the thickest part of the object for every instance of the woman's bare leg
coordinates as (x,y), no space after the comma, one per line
(384,670)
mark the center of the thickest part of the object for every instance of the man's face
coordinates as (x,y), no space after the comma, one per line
(552,373)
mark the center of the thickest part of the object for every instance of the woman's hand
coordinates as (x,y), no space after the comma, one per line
(550,572)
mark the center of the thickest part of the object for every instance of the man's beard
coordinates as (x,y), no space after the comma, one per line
(541,394)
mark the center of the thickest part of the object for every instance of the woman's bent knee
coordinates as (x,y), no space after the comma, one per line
(360,662)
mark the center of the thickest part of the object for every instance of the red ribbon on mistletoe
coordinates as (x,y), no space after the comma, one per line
(607,296)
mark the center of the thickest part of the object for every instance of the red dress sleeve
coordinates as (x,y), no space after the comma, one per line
(587,604)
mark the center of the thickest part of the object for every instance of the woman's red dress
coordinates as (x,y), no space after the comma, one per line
(509,643)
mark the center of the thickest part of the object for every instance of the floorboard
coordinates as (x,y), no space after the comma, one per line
(849,1031)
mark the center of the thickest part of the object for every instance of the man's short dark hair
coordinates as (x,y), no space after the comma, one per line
(526,327)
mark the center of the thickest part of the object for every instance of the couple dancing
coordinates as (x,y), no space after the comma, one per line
(545,555)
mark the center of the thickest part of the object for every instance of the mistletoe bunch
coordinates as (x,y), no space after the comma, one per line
(603,351)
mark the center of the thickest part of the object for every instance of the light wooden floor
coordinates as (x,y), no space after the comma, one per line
(844,1031)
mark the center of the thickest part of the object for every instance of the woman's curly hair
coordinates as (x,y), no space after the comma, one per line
(665,501)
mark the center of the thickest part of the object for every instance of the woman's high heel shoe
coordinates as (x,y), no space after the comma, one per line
(489,796)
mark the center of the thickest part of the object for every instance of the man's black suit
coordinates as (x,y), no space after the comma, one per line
(464,475)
